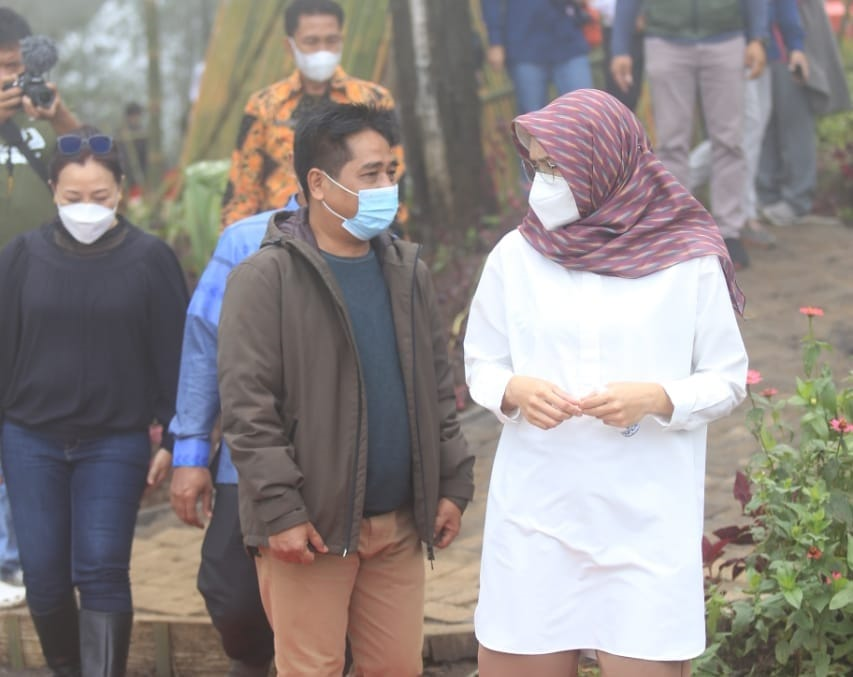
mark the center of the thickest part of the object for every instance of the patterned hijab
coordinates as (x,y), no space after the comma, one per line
(636,218)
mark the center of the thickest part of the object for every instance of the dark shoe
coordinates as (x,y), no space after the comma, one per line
(756,235)
(737,253)
(104,642)
(60,639)
(241,669)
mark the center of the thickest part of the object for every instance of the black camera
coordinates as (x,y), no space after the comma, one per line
(39,55)
(35,87)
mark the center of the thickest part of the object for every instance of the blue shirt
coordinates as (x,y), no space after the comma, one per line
(198,388)
(786,29)
(534,31)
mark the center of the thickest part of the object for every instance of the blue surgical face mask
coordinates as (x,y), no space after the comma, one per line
(377,208)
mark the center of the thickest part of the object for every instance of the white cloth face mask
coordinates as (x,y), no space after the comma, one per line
(316,66)
(86,221)
(553,202)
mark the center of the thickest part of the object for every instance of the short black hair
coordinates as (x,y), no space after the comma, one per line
(13,27)
(298,8)
(133,108)
(109,160)
(321,137)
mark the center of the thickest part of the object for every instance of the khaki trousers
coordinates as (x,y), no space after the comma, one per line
(376,596)
(714,71)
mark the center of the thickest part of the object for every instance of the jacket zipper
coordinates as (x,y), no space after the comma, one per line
(430,548)
(351,514)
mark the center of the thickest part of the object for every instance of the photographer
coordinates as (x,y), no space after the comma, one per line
(29,129)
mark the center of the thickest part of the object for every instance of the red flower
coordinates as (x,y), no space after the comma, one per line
(812,311)
(769,392)
(841,425)
(814,553)
(753,377)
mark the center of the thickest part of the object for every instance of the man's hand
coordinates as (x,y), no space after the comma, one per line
(189,484)
(541,402)
(496,56)
(292,544)
(622,70)
(448,520)
(11,99)
(755,58)
(623,404)
(798,64)
(158,469)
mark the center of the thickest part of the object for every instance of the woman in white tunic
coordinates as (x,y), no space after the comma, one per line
(603,334)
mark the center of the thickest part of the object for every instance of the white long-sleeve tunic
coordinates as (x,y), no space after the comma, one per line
(593,539)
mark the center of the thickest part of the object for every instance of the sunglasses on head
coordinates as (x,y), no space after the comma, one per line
(71,144)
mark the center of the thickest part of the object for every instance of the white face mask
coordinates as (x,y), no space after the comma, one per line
(552,201)
(316,66)
(86,221)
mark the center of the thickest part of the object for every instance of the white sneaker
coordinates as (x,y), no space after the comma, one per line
(779,214)
(14,578)
(11,595)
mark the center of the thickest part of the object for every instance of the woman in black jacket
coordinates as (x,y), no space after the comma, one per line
(92,318)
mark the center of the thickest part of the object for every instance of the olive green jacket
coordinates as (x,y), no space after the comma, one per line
(293,396)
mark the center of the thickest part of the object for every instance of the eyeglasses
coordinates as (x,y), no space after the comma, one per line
(71,144)
(546,168)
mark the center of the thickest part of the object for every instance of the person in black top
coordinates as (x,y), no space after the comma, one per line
(93,313)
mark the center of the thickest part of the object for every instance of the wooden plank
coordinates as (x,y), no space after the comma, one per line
(13,642)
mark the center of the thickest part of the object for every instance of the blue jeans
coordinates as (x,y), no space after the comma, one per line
(531,81)
(74,505)
(9,560)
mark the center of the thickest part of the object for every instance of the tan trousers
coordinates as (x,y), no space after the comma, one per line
(376,596)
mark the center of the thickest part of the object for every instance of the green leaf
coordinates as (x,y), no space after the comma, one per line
(795,597)
(810,355)
(821,664)
(744,616)
(783,651)
(767,441)
(842,598)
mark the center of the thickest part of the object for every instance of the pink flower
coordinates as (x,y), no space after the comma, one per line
(753,377)
(769,392)
(840,425)
(812,311)
(814,553)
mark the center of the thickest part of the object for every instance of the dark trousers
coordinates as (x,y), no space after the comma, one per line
(74,505)
(229,584)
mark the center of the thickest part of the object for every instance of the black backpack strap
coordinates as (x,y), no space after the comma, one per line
(12,135)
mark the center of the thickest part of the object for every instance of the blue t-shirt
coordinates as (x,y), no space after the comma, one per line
(389,457)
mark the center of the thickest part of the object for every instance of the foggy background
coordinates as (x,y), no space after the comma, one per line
(103,56)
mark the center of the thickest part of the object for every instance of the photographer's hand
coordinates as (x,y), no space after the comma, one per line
(10,99)
(57,114)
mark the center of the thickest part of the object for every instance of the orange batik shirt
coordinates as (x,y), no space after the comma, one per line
(262,175)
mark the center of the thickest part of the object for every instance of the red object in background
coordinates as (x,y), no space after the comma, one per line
(835,11)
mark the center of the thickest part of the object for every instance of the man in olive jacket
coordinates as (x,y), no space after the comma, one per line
(338,406)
